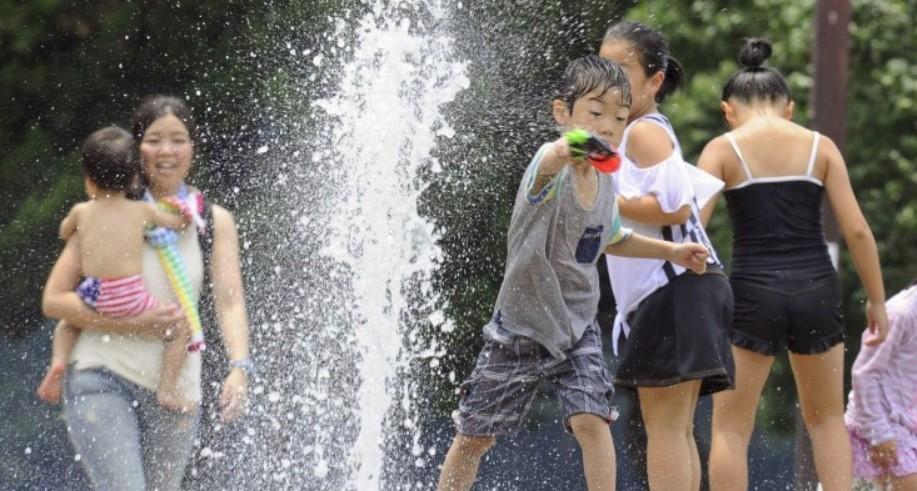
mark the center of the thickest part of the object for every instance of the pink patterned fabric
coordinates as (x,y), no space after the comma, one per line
(883,403)
(117,297)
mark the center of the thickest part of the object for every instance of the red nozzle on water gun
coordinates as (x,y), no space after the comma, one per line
(599,153)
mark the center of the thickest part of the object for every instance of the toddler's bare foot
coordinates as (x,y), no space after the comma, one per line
(169,399)
(50,388)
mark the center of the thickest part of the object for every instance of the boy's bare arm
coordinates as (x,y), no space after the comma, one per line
(688,254)
(554,160)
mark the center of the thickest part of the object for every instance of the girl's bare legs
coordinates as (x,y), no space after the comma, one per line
(734,421)
(594,437)
(461,466)
(819,382)
(695,455)
(668,415)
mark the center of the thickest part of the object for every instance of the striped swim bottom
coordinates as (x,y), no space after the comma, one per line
(126,296)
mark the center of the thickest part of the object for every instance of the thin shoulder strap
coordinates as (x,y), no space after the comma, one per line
(735,147)
(815,141)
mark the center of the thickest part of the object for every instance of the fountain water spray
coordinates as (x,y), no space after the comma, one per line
(386,118)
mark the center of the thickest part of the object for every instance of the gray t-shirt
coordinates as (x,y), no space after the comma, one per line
(550,289)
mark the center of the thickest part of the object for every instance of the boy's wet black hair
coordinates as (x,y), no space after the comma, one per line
(110,159)
(589,73)
(653,52)
(755,81)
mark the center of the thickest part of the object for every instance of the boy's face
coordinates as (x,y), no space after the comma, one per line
(604,114)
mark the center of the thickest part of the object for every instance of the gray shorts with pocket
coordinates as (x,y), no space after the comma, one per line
(500,390)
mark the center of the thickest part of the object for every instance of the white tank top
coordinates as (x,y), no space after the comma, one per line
(674,183)
(138,359)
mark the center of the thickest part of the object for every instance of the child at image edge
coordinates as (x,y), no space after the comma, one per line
(543,326)
(111,234)
(882,407)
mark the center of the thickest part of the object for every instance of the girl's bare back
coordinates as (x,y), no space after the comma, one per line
(773,147)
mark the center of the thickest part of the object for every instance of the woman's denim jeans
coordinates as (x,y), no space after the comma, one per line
(125,440)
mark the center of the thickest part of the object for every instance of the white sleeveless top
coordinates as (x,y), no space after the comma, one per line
(138,359)
(675,183)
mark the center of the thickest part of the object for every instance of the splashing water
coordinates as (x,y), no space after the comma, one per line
(386,118)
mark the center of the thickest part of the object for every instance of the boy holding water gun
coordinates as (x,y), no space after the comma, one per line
(543,326)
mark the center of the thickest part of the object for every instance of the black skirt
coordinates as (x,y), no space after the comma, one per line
(680,333)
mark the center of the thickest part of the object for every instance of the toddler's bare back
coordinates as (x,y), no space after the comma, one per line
(111,235)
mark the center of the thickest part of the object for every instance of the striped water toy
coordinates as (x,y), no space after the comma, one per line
(165,242)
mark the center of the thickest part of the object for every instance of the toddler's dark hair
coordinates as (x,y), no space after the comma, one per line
(755,81)
(110,158)
(653,51)
(589,73)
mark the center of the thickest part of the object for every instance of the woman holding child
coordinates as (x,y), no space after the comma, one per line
(126,438)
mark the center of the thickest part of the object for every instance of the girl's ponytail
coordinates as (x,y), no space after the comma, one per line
(674,78)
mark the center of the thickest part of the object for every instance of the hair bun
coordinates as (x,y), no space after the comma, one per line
(755,51)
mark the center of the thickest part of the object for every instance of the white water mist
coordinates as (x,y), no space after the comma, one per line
(387,118)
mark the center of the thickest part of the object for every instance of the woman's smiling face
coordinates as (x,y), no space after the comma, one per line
(166,151)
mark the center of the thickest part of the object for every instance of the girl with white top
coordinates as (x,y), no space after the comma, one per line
(677,347)
(786,289)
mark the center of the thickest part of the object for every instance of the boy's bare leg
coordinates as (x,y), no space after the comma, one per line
(594,437)
(61,346)
(173,356)
(461,466)
(668,415)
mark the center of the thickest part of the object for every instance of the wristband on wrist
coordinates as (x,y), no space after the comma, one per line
(244,364)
